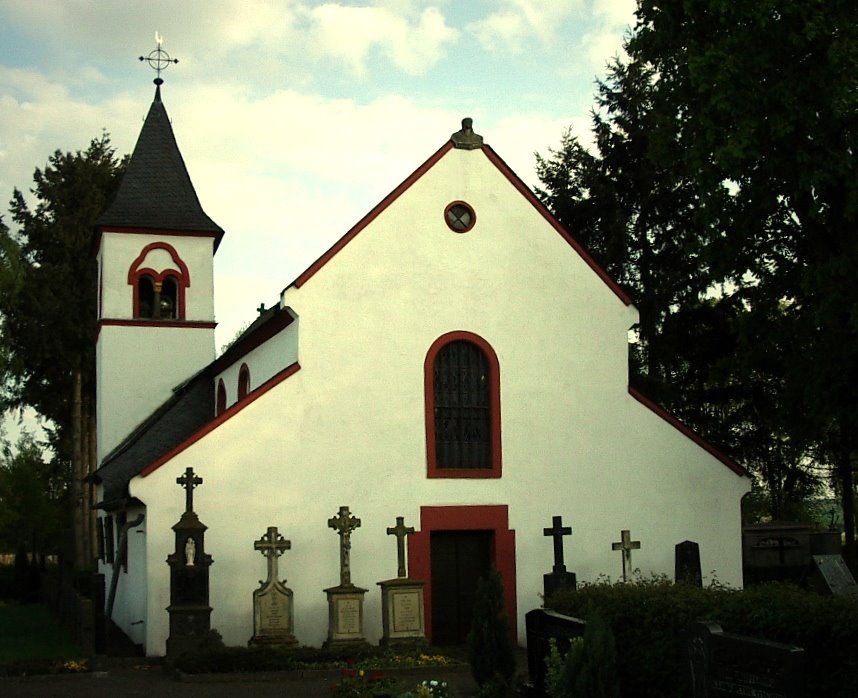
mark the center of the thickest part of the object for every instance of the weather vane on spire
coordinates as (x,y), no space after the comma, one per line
(159,59)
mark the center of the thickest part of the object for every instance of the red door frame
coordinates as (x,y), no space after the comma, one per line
(465,518)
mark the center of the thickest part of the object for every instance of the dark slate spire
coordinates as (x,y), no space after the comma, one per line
(156,192)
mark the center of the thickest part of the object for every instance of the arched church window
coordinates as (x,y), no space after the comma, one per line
(462,407)
(145,296)
(160,279)
(168,300)
(243,381)
(220,405)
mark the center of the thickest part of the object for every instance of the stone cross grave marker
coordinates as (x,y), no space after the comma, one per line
(557,531)
(272,545)
(272,602)
(626,545)
(344,523)
(189,481)
(401,531)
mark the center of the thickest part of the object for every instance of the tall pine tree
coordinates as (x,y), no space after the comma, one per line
(48,313)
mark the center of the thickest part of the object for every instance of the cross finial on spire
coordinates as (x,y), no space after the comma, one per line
(158,59)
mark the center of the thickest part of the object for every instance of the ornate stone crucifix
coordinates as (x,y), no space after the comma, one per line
(401,531)
(272,545)
(626,544)
(344,523)
(557,531)
(189,481)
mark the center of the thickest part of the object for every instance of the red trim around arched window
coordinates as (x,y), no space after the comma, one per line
(243,381)
(180,274)
(433,470)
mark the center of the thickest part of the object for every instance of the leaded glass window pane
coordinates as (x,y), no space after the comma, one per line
(462,407)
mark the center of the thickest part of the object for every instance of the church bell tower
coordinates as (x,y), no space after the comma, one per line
(155,247)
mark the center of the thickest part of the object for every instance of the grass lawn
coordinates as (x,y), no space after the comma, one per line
(31,632)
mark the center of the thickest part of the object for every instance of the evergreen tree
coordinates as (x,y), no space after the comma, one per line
(48,311)
(490,647)
(723,192)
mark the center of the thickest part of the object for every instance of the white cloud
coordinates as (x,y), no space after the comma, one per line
(352,33)
(517,21)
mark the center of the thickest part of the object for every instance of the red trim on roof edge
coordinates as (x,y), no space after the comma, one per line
(372,215)
(546,214)
(687,431)
(220,419)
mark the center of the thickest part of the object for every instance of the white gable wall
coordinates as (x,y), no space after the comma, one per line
(348,428)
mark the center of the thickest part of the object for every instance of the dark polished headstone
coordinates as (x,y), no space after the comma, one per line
(190,613)
(687,563)
(543,625)
(723,665)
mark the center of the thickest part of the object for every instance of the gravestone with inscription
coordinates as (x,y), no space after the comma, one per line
(402,598)
(687,563)
(558,578)
(345,601)
(728,666)
(831,576)
(190,613)
(273,617)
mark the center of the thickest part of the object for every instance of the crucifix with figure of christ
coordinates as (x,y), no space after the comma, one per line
(401,531)
(189,481)
(272,545)
(626,544)
(344,523)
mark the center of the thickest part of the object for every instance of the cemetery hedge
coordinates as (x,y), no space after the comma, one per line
(649,619)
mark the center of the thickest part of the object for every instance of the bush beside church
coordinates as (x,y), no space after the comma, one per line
(650,618)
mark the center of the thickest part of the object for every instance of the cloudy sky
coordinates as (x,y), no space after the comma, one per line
(296,117)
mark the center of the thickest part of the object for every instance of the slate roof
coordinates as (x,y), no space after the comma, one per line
(190,407)
(156,191)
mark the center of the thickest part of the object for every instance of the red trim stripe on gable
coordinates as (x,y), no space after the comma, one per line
(525,191)
(687,431)
(372,215)
(220,419)
(513,178)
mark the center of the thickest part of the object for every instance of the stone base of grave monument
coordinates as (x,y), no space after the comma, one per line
(272,616)
(190,628)
(345,617)
(402,613)
(556,581)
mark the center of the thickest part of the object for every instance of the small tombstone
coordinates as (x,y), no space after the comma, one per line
(687,563)
(273,616)
(402,598)
(558,578)
(190,613)
(830,575)
(626,545)
(345,601)
(728,666)
(542,626)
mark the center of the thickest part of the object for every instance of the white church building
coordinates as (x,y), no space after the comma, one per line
(456,358)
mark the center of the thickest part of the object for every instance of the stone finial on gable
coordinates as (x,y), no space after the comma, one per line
(466,138)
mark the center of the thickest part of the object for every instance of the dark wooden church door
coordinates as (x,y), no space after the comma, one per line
(457,560)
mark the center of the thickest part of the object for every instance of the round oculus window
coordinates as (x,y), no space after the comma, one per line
(460,217)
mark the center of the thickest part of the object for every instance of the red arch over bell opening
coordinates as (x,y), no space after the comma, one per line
(493,518)
(180,273)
